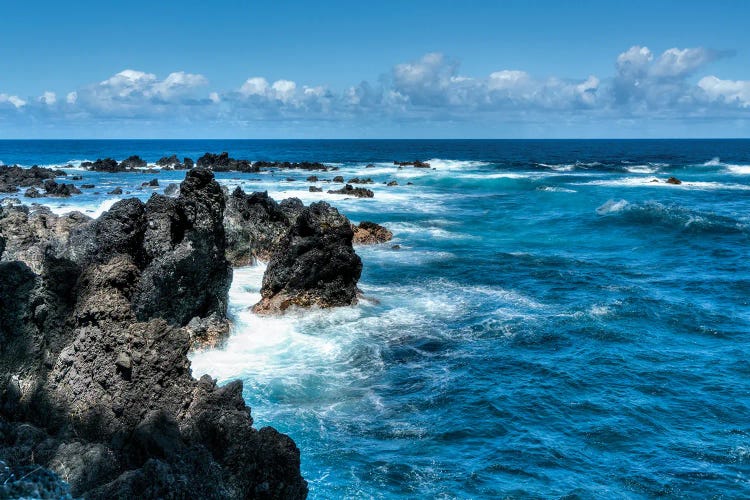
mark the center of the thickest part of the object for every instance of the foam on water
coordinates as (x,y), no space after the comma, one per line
(653,182)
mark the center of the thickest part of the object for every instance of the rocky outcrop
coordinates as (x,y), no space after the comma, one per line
(96,320)
(254,225)
(357,180)
(105,165)
(132,163)
(352,191)
(368,233)
(223,163)
(52,188)
(286,165)
(314,264)
(12,178)
(673,180)
(169,162)
(416,164)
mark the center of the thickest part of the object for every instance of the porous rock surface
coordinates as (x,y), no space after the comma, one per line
(95,383)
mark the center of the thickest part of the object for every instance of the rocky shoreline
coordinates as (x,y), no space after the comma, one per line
(97,318)
(42,182)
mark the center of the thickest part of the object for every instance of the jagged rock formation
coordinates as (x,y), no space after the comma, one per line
(349,190)
(11,178)
(95,326)
(313,265)
(368,233)
(223,163)
(254,225)
(132,162)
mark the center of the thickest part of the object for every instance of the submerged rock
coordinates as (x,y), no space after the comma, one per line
(314,264)
(116,191)
(367,233)
(95,385)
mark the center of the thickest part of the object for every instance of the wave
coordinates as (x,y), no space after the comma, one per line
(556,189)
(675,216)
(730,168)
(660,183)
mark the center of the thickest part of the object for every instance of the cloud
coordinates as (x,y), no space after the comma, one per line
(14,100)
(48,98)
(430,89)
(732,92)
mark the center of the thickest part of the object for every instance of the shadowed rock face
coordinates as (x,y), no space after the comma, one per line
(313,265)
(254,225)
(95,383)
(11,178)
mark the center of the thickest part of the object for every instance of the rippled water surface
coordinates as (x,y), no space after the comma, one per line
(554,322)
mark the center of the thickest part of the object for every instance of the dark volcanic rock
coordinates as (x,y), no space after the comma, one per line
(11,178)
(87,186)
(254,225)
(416,163)
(357,180)
(116,191)
(96,321)
(304,165)
(169,162)
(673,180)
(338,178)
(368,233)
(223,163)
(392,183)
(314,189)
(105,165)
(32,193)
(52,188)
(312,178)
(188,162)
(151,183)
(352,191)
(314,265)
(132,162)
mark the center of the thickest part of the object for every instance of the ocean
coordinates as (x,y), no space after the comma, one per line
(553,324)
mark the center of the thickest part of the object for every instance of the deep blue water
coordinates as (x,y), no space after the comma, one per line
(554,323)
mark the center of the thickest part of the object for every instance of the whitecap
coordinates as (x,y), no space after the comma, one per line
(660,183)
(612,206)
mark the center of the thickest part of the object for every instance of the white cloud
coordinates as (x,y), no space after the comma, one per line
(72,97)
(214,97)
(284,90)
(728,91)
(16,101)
(682,62)
(255,86)
(48,98)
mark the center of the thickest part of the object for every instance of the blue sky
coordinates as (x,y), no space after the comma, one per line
(375,69)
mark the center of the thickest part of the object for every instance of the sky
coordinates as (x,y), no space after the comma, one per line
(388,69)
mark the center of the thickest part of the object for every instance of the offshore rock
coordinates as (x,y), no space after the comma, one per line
(11,178)
(62,190)
(313,265)
(352,191)
(105,165)
(223,163)
(368,233)
(96,318)
(132,162)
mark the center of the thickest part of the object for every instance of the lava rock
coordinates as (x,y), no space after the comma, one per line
(368,233)
(13,177)
(132,163)
(416,164)
(352,191)
(314,264)
(223,163)
(169,162)
(673,180)
(392,183)
(254,225)
(116,191)
(314,189)
(105,165)
(52,188)
(338,178)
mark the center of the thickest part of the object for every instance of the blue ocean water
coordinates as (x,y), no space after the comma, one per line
(554,324)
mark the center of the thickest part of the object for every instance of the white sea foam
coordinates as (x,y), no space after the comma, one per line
(612,206)
(660,183)
(556,189)
(642,169)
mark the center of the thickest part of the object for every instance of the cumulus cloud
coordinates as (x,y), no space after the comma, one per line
(431,87)
(14,100)
(733,92)
(48,98)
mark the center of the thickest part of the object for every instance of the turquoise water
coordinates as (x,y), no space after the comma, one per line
(553,324)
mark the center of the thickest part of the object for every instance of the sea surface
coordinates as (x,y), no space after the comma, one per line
(554,323)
